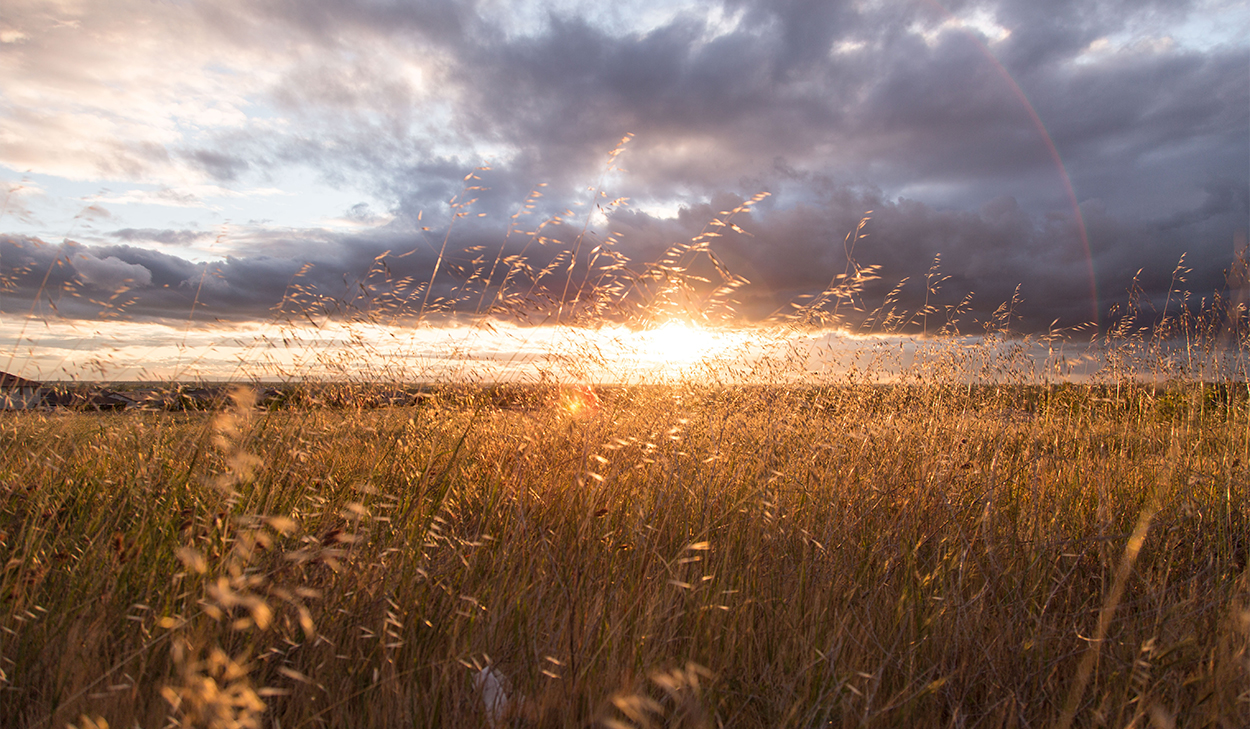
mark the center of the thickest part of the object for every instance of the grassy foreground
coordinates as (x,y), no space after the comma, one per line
(684,557)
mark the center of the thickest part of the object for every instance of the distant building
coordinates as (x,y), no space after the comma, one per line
(108,400)
(86,398)
(19,393)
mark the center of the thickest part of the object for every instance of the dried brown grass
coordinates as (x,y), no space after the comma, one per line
(690,556)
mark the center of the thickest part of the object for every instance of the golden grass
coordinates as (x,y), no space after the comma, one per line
(687,556)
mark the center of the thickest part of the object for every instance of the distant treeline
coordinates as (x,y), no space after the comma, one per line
(1159,400)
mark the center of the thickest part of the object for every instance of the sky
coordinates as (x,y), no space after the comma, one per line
(237,161)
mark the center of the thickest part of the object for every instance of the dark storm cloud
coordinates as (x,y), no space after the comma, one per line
(1051,32)
(897,113)
(295,274)
(1147,132)
(1224,197)
(991,254)
(835,108)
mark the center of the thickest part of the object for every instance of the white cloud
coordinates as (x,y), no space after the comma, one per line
(187,196)
(661,209)
(978,21)
(110,91)
(843,47)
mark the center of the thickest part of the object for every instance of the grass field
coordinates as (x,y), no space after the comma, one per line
(683,556)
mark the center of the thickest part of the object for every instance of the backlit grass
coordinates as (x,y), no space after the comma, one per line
(686,556)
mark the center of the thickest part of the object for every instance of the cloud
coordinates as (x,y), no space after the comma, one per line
(787,253)
(110,272)
(165,196)
(218,165)
(166,236)
(189,196)
(990,133)
(111,91)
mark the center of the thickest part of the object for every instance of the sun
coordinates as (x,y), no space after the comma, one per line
(677,342)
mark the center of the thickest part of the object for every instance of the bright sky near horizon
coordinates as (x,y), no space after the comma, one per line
(152,351)
(204,157)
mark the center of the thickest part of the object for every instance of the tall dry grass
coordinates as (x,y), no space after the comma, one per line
(736,557)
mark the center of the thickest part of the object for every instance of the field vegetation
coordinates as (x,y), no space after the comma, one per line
(684,556)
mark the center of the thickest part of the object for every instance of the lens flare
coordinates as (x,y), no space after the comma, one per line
(579,401)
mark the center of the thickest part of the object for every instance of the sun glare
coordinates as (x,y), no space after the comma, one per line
(676,342)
